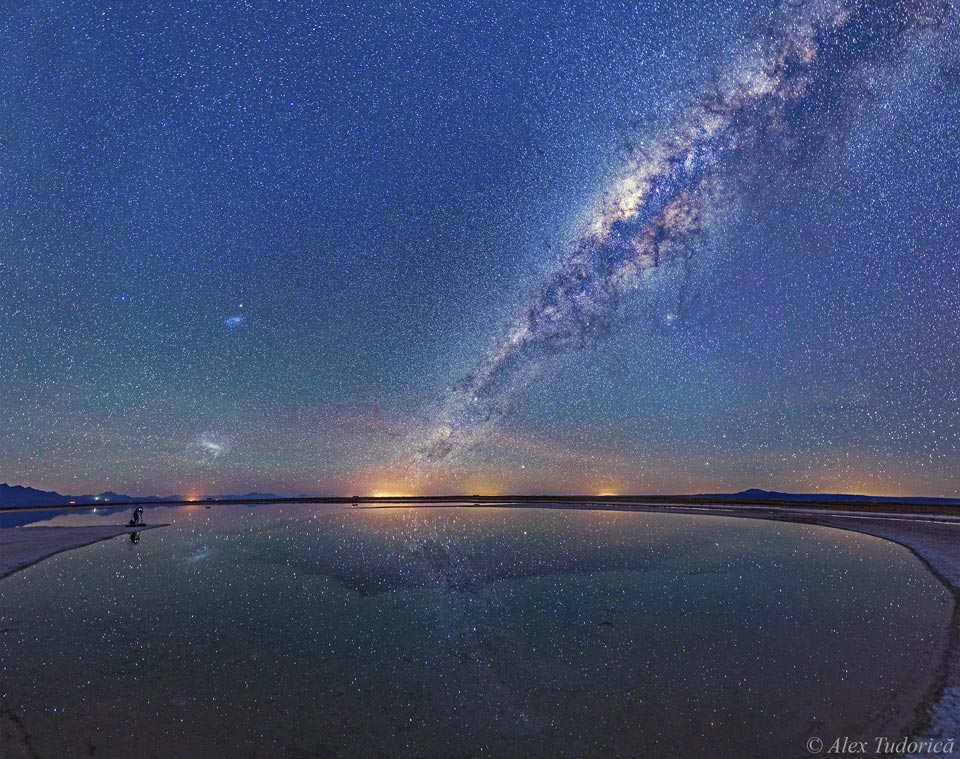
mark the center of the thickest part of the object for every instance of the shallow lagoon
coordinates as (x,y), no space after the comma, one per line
(303,630)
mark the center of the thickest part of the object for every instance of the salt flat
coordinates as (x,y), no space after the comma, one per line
(20,547)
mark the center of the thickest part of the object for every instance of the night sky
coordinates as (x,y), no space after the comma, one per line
(413,247)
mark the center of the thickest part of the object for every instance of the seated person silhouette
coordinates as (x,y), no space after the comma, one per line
(137,517)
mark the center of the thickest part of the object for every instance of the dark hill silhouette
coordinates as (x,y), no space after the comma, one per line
(19,495)
(756,494)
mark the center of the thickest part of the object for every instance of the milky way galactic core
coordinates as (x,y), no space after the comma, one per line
(805,78)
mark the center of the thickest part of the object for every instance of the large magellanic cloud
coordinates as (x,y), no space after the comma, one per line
(791,89)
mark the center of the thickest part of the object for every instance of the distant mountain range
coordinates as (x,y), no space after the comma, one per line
(755,494)
(18,495)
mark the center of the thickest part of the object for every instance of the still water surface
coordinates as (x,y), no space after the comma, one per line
(303,630)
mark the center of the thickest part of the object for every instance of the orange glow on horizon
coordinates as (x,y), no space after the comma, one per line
(389,493)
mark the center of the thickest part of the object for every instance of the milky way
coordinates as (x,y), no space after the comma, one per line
(425,246)
(800,83)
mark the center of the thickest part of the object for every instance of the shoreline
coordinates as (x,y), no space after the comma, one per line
(23,547)
(937,715)
(933,539)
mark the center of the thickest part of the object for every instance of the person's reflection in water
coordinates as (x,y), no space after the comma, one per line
(137,521)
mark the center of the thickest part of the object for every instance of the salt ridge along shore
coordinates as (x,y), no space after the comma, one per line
(936,543)
(21,547)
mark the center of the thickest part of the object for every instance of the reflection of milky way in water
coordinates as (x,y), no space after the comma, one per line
(311,631)
(466,566)
(803,82)
(203,553)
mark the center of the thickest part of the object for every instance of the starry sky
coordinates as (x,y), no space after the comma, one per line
(421,247)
